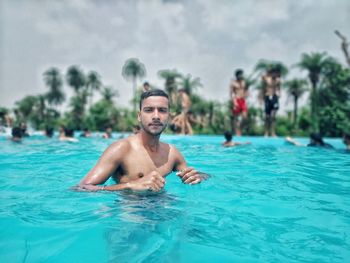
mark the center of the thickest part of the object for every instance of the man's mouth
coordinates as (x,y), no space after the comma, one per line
(157,124)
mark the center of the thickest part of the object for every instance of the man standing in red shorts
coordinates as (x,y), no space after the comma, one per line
(238,93)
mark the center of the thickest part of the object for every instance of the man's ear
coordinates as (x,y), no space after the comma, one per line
(139,116)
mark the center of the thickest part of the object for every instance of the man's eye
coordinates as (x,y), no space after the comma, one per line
(147,109)
(164,110)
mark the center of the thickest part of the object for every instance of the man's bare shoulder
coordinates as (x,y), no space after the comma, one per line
(173,150)
(120,146)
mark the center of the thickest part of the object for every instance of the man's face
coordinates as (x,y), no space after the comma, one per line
(154,114)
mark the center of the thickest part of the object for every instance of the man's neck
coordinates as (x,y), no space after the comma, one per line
(149,141)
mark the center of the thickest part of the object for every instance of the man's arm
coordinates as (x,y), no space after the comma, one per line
(240,143)
(187,174)
(294,142)
(106,165)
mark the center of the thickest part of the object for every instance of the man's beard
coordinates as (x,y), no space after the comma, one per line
(150,132)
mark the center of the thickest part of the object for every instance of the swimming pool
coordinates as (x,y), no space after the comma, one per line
(265,202)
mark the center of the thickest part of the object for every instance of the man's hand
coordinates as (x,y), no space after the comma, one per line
(191,176)
(152,181)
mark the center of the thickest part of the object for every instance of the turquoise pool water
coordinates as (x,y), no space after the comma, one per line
(266,202)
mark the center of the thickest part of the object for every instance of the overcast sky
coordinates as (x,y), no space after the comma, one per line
(208,39)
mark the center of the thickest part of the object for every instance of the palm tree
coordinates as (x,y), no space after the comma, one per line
(108,94)
(189,84)
(53,79)
(313,63)
(170,77)
(132,70)
(93,83)
(25,107)
(296,88)
(75,78)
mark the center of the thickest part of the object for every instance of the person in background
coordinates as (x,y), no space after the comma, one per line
(136,129)
(24,129)
(346,140)
(61,133)
(48,132)
(316,140)
(146,87)
(238,94)
(229,142)
(17,134)
(182,119)
(68,136)
(108,133)
(272,83)
(86,133)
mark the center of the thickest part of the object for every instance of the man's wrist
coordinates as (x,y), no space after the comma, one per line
(103,188)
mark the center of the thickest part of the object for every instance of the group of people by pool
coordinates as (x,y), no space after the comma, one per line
(271,83)
(64,134)
(141,161)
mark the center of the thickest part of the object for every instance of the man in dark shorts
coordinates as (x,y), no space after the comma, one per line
(272,83)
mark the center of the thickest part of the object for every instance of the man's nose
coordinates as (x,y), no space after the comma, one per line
(156,114)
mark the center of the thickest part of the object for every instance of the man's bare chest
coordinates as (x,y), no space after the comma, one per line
(141,163)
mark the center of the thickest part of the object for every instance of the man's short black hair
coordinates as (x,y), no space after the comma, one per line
(17,132)
(228,136)
(150,93)
(68,132)
(49,131)
(317,138)
(347,136)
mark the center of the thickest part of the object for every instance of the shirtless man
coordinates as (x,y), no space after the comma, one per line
(146,87)
(179,121)
(272,82)
(229,142)
(186,106)
(238,92)
(141,162)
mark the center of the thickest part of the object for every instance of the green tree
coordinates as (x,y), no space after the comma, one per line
(108,94)
(25,107)
(170,77)
(75,78)
(132,70)
(93,83)
(189,84)
(75,119)
(334,99)
(295,89)
(53,80)
(313,63)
